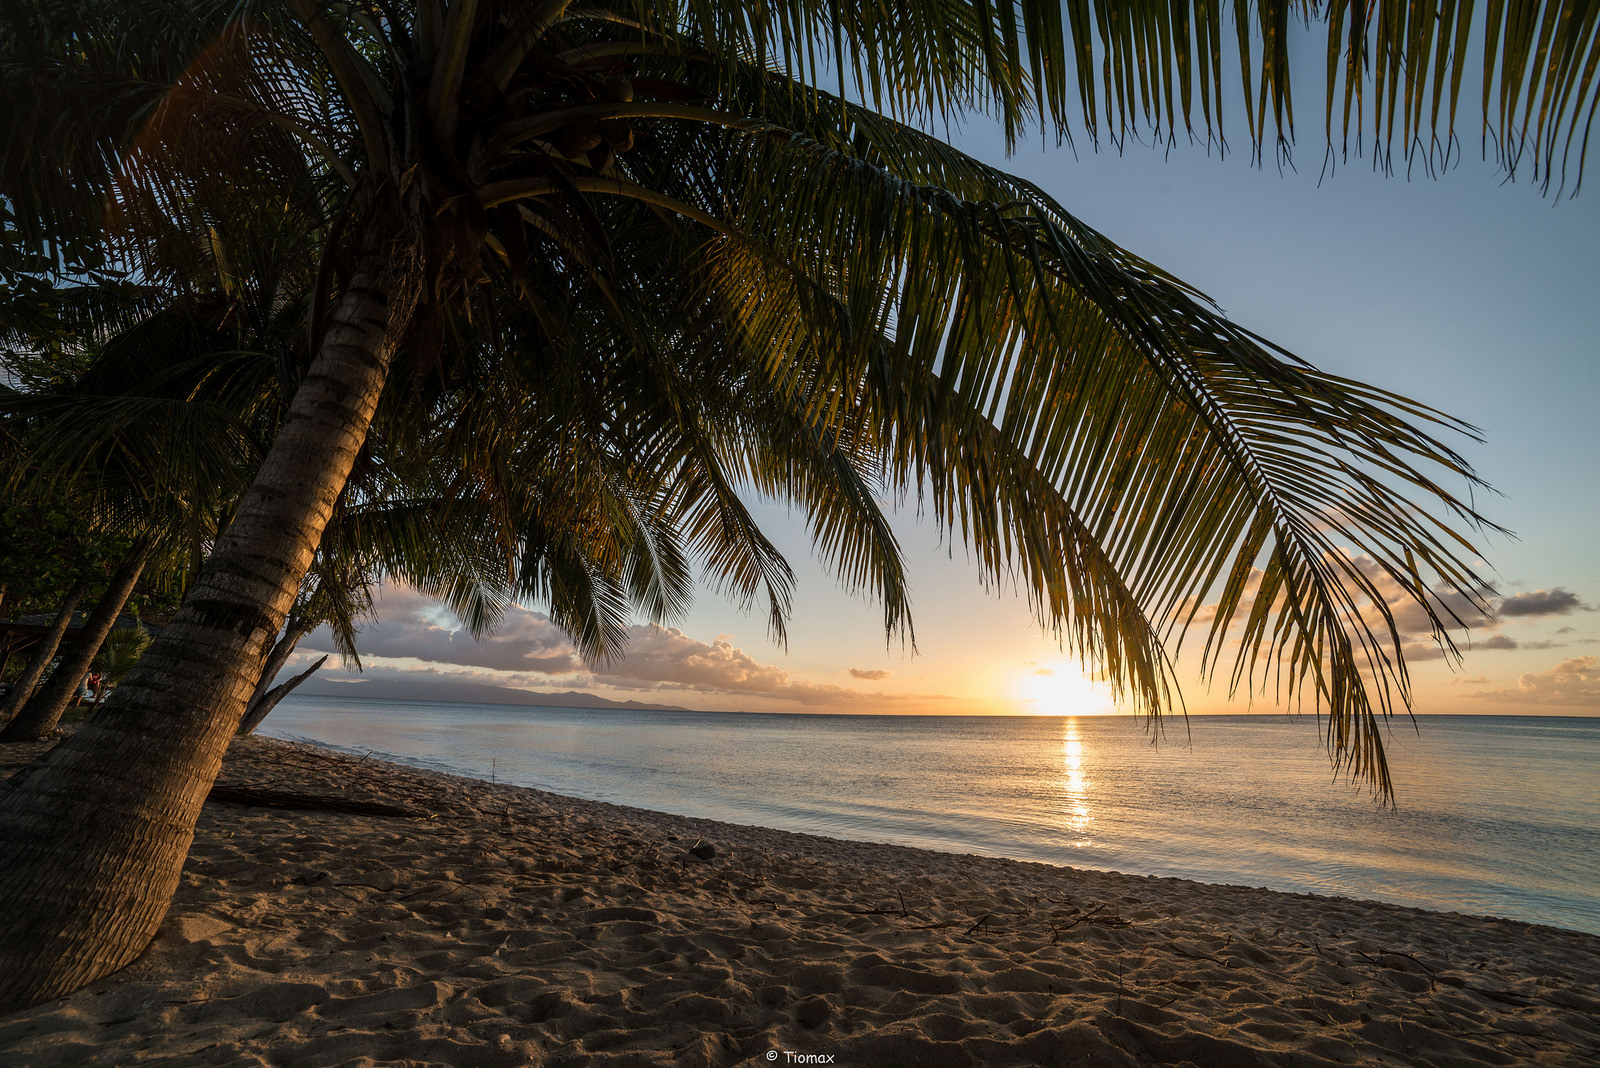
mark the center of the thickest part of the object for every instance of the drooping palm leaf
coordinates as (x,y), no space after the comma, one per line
(898,306)
(1396,71)
(1191,450)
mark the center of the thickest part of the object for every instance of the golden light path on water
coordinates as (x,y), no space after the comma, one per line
(1076,786)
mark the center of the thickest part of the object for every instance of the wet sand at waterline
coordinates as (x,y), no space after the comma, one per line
(491,925)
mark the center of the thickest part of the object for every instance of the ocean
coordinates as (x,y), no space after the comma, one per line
(1494,815)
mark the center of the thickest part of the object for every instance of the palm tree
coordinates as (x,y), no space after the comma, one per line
(39,717)
(23,689)
(153,433)
(1070,410)
(168,413)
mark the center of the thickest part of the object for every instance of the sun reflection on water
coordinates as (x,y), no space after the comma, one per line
(1078,816)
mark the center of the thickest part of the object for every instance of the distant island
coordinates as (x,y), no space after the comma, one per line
(475,693)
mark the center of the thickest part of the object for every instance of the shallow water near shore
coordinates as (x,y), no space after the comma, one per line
(1495,815)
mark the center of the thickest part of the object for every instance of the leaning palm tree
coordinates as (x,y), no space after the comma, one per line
(1071,411)
(155,431)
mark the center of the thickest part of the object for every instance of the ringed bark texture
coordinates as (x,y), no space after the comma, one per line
(94,834)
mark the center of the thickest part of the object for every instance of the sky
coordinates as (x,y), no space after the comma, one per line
(1479,297)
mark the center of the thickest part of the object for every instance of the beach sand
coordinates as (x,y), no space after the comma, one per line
(503,926)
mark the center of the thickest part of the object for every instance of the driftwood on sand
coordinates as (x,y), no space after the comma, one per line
(248,795)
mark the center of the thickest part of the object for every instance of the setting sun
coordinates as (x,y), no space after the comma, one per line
(1061,689)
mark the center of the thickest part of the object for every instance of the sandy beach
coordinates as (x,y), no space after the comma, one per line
(407,918)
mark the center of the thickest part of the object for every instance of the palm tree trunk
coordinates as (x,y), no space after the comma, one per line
(94,834)
(5,655)
(281,652)
(264,703)
(41,714)
(41,658)
(279,656)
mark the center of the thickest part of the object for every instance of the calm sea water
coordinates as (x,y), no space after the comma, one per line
(1496,815)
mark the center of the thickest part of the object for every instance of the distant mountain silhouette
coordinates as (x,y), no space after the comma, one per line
(476,693)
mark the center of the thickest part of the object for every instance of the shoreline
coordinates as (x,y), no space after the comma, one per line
(506,925)
(875,847)
(1480,823)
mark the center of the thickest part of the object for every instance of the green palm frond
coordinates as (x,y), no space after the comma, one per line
(584,600)
(1190,449)
(437,547)
(157,432)
(1395,71)
(121,649)
(138,84)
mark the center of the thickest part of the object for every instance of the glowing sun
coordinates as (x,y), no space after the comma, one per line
(1061,689)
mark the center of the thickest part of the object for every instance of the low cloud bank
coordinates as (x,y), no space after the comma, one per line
(1575,681)
(528,649)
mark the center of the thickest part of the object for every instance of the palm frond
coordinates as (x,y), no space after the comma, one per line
(1395,70)
(1190,450)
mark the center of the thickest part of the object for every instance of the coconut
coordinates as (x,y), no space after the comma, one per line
(618,133)
(573,141)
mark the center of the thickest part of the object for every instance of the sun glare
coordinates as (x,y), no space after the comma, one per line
(1061,689)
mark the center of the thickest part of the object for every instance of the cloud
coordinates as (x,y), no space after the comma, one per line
(527,649)
(667,655)
(1556,602)
(1454,608)
(1420,649)
(413,626)
(1571,682)
(665,658)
